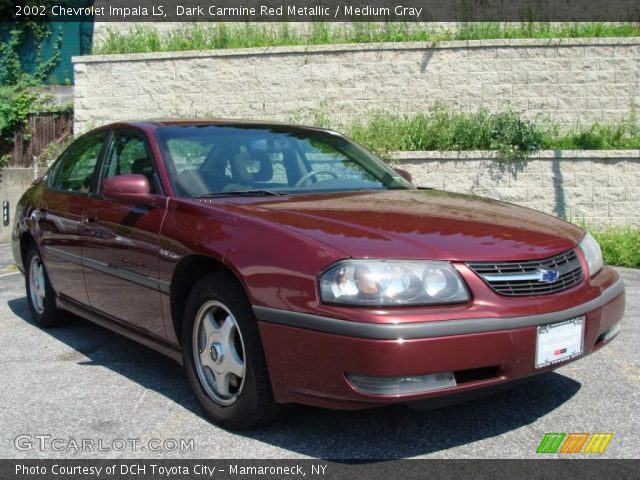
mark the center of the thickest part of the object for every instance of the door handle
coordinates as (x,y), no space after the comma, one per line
(90,217)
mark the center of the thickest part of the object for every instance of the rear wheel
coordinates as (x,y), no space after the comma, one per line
(223,355)
(40,296)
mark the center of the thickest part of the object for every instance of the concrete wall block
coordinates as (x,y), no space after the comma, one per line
(600,51)
(632,194)
(529,91)
(608,194)
(526,180)
(543,103)
(429,180)
(583,64)
(587,77)
(607,165)
(458,180)
(613,64)
(562,179)
(570,52)
(542,194)
(601,103)
(574,195)
(619,89)
(588,209)
(620,179)
(494,91)
(624,209)
(509,194)
(527,52)
(541,77)
(514,76)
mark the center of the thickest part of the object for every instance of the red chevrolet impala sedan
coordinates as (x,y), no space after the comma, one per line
(283,264)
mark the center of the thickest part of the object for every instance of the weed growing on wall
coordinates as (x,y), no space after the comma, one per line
(442,128)
(220,35)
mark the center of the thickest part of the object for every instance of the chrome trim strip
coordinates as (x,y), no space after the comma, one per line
(440,328)
(128,275)
(515,277)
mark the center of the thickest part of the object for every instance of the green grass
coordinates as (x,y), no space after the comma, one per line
(444,129)
(620,246)
(624,135)
(220,35)
(441,128)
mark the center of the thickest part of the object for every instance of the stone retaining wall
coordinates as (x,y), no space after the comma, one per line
(600,188)
(567,80)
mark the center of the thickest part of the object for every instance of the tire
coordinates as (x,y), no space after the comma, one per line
(227,372)
(40,295)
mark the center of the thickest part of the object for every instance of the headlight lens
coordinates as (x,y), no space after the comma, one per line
(392,283)
(592,254)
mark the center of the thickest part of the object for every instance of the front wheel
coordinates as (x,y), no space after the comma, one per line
(223,355)
(40,296)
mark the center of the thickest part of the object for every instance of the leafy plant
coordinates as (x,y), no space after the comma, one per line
(18,88)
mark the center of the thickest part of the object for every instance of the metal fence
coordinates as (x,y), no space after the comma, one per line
(30,141)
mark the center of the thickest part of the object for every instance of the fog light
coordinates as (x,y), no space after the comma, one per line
(401,385)
(609,334)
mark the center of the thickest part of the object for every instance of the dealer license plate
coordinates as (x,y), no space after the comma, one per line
(559,342)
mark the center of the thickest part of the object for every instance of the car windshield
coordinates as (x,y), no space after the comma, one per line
(218,160)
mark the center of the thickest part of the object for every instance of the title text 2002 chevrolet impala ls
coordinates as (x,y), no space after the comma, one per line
(287,264)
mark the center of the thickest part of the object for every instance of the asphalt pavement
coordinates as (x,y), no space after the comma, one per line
(80,391)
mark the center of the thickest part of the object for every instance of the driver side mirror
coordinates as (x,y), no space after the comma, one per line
(404,174)
(130,189)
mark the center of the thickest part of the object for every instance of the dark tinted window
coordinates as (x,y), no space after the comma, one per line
(74,171)
(129,154)
(222,159)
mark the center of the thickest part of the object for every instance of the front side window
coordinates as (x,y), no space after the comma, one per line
(75,169)
(219,159)
(128,154)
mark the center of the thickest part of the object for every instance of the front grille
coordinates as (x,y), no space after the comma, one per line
(520,278)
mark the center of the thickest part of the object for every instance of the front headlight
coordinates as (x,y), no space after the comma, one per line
(592,254)
(392,283)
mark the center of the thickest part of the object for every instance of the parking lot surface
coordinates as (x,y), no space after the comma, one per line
(81,383)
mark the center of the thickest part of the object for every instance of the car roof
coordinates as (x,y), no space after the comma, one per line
(158,123)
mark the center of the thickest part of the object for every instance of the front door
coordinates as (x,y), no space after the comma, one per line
(121,256)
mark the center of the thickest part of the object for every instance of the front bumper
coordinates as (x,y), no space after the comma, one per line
(310,356)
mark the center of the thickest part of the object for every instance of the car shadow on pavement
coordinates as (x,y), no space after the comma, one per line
(383,433)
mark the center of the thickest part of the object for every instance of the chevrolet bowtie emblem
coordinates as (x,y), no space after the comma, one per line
(548,276)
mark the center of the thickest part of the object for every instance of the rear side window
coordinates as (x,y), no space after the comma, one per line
(74,171)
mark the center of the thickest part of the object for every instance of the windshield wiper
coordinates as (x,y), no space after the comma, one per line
(239,193)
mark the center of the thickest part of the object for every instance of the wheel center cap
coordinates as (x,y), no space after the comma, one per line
(217,353)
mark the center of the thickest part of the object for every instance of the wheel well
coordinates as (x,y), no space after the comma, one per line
(189,270)
(26,240)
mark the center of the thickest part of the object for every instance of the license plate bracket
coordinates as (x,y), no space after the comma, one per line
(559,342)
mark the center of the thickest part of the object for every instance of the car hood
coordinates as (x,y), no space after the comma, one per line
(414,224)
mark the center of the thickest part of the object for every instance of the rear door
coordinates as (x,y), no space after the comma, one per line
(61,214)
(121,255)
